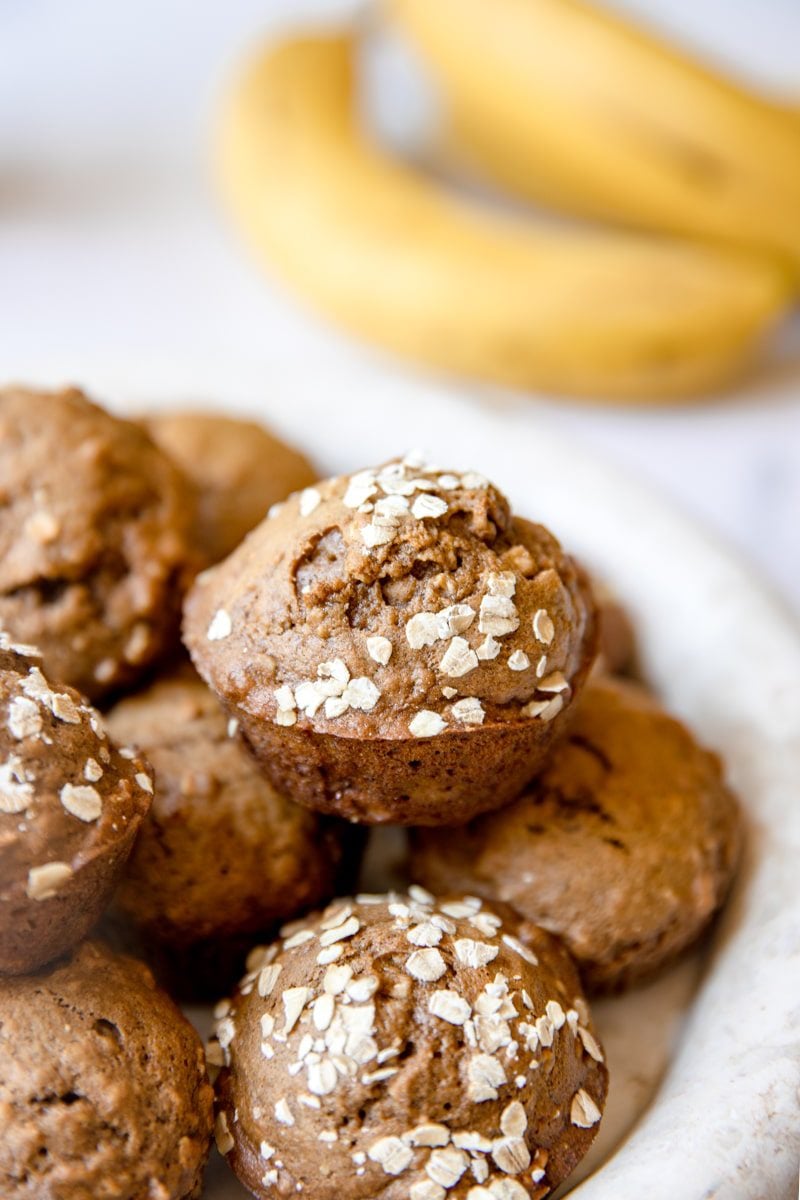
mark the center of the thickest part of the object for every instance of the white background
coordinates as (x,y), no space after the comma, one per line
(113,251)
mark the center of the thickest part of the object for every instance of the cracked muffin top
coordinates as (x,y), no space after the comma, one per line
(624,846)
(396,602)
(94,538)
(400,1046)
(67,795)
(103,1087)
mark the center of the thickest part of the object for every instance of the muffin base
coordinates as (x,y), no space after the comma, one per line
(441,780)
(35,932)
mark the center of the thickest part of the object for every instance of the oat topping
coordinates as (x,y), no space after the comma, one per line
(459,659)
(24,718)
(543,627)
(46,880)
(426,723)
(379,649)
(477,620)
(222,1134)
(330,1035)
(519,661)
(92,771)
(488,649)
(220,627)
(498,615)
(82,801)
(468,711)
(583,1111)
(309,499)
(16,791)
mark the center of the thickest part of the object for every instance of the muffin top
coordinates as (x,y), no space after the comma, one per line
(66,793)
(624,845)
(401,1046)
(239,470)
(221,850)
(396,602)
(94,538)
(103,1088)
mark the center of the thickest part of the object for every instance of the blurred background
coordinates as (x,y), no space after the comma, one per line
(118,253)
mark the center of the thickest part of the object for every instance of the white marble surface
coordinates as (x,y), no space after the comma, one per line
(112,248)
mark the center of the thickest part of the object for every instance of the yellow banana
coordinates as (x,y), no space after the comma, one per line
(402,262)
(566,104)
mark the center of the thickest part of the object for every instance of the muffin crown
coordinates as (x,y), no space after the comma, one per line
(397,602)
(66,793)
(401,1036)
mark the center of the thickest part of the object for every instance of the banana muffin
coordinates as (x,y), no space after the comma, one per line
(222,856)
(617,648)
(70,808)
(400,1047)
(95,528)
(103,1088)
(396,646)
(239,470)
(624,846)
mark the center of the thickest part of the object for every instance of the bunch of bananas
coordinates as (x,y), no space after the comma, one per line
(554,101)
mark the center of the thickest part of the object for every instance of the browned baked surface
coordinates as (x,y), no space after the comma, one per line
(434,1048)
(617,649)
(624,846)
(239,469)
(395,644)
(70,807)
(221,854)
(94,539)
(103,1088)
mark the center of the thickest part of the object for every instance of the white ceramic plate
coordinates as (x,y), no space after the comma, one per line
(705,1064)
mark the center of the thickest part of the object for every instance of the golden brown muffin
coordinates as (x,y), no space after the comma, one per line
(94,539)
(70,808)
(222,856)
(103,1088)
(396,646)
(400,1047)
(239,470)
(624,846)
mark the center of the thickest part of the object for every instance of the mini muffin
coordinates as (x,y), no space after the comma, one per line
(222,855)
(103,1087)
(399,1046)
(239,470)
(70,808)
(396,646)
(94,539)
(624,846)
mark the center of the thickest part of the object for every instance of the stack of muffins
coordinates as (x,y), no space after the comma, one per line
(392,647)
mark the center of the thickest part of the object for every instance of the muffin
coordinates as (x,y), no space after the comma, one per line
(239,470)
(395,645)
(103,1089)
(70,808)
(617,649)
(222,856)
(400,1046)
(94,539)
(624,846)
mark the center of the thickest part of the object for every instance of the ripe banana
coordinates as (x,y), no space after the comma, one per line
(402,262)
(568,105)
